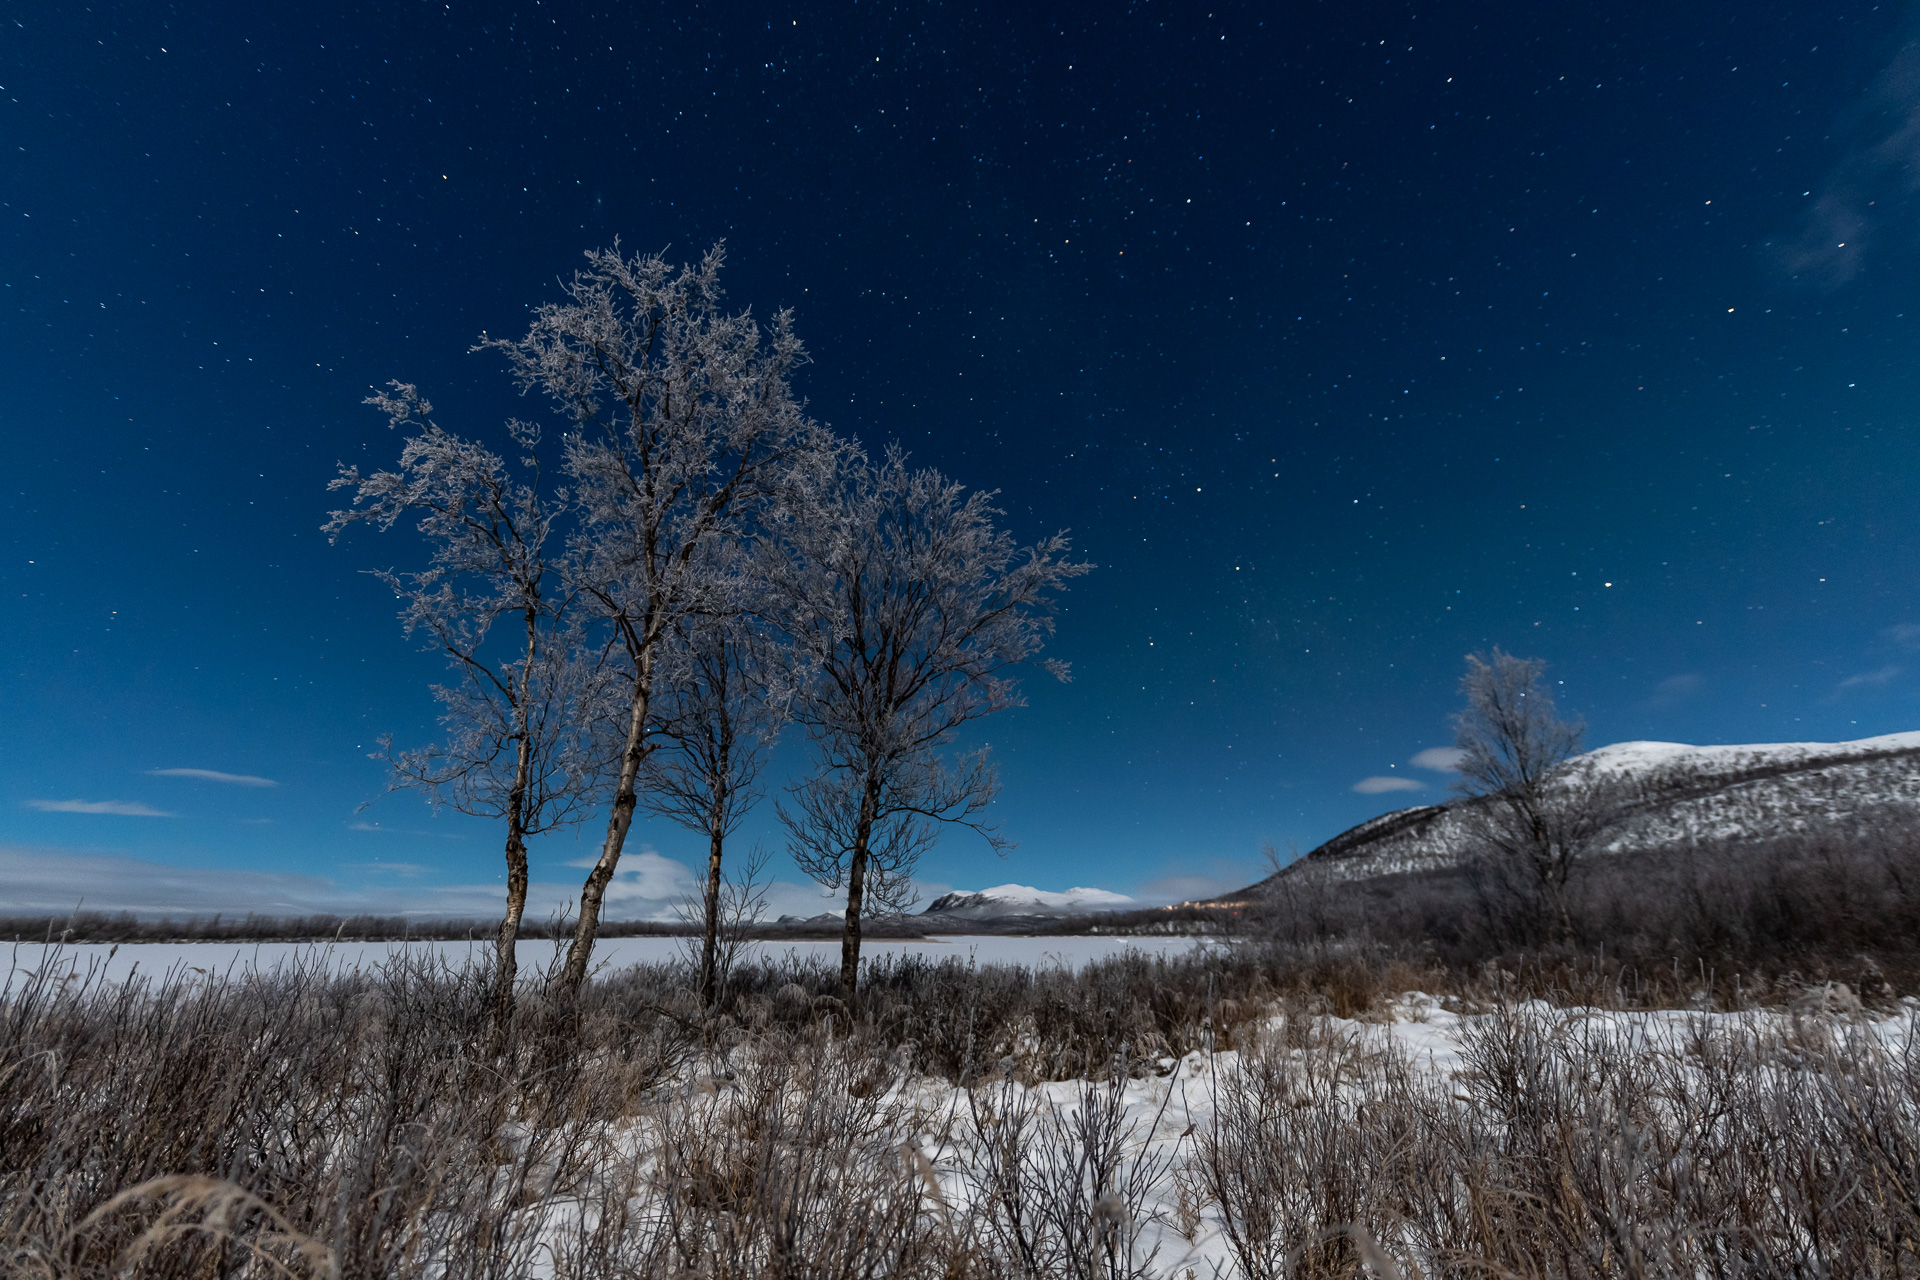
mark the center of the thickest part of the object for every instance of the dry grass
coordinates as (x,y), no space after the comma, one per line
(305,1124)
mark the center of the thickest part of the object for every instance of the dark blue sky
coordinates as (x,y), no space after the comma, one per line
(1346,338)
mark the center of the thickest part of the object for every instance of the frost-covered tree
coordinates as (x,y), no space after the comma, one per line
(913,610)
(520,712)
(1535,809)
(718,706)
(682,423)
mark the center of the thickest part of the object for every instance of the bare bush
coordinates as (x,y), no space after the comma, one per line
(799,1165)
(1063,1191)
(1533,815)
(1288,1158)
(354,1107)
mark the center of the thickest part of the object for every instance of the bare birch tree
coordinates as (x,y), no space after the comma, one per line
(520,713)
(914,610)
(682,421)
(1535,809)
(718,708)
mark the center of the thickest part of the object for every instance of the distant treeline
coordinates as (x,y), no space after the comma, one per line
(101,926)
(124,926)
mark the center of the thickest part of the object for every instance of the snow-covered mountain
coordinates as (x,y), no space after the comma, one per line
(1677,794)
(1011,900)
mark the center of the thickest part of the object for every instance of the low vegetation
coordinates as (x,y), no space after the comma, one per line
(375,1123)
(1723,922)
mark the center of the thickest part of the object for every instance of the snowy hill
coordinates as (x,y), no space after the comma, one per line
(1009,901)
(1679,794)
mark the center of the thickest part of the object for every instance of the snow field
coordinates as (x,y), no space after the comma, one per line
(120,962)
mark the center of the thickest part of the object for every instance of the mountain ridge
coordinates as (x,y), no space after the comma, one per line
(1673,794)
(1009,901)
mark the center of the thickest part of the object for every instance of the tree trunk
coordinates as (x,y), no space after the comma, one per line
(710,944)
(1558,887)
(506,964)
(594,891)
(857,888)
(1551,864)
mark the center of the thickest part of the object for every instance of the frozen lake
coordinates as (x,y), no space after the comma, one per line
(117,963)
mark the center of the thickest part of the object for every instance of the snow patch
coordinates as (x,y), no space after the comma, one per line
(1629,757)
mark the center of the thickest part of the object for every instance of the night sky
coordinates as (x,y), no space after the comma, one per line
(1345,338)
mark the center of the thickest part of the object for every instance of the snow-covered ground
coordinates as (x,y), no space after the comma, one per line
(1164,1115)
(1162,1119)
(1636,757)
(116,963)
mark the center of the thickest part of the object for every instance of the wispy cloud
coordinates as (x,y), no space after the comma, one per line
(647,876)
(1674,690)
(1905,634)
(406,870)
(1869,680)
(1439,759)
(785,898)
(378,829)
(1862,196)
(1188,888)
(54,880)
(214,775)
(118,808)
(1381,785)
(35,880)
